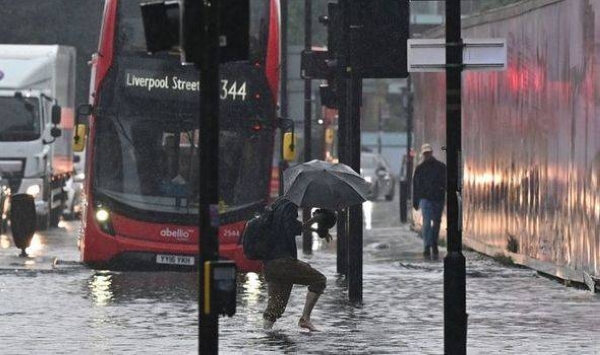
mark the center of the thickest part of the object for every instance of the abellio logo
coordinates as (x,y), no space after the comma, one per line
(179,233)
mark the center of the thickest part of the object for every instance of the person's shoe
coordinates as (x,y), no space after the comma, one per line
(267,324)
(436,252)
(303,323)
(427,252)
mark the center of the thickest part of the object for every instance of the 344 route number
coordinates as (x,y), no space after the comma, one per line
(232,90)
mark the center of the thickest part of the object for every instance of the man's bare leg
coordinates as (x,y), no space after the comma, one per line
(311,300)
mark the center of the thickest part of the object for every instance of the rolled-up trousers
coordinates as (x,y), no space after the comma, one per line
(281,275)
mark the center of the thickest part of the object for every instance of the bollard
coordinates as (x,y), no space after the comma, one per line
(403,201)
(22,220)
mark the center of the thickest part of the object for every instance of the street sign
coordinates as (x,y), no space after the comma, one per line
(429,55)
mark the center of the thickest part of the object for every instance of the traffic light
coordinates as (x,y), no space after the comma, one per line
(326,64)
(190,30)
(329,95)
(178,25)
(161,25)
(379,30)
(234,35)
(335,28)
(315,65)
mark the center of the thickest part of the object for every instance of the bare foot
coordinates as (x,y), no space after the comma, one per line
(303,323)
(267,324)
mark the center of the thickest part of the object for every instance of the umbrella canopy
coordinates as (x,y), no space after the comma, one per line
(324,185)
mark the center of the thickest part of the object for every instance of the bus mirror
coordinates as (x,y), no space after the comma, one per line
(79,138)
(286,124)
(55,132)
(289,146)
(82,110)
(56,113)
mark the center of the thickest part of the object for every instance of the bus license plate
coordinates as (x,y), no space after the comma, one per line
(174,259)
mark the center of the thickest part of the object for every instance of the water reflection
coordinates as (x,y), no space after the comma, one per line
(105,287)
(100,288)
(251,287)
(37,245)
(281,341)
(36,248)
(368,214)
(5,242)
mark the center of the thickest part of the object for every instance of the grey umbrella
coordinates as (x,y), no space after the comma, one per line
(326,185)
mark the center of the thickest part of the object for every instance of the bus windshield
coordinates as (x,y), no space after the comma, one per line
(147,127)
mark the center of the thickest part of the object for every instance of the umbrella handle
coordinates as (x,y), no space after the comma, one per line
(309,222)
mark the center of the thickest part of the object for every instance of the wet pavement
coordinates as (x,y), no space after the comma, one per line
(50,304)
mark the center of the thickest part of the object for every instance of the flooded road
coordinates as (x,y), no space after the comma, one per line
(50,306)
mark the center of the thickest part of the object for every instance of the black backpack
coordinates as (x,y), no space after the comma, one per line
(258,237)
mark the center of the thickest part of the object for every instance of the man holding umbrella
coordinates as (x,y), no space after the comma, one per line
(314,184)
(283,269)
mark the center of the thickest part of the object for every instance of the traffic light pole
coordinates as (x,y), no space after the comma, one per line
(342,225)
(341,56)
(355,213)
(307,234)
(455,316)
(208,177)
(283,102)
(409,135)
(353,99)
(405,192)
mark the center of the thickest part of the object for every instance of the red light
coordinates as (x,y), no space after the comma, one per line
(257,96)
(257,127)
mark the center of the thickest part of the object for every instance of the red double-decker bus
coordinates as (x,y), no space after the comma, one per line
(142,202)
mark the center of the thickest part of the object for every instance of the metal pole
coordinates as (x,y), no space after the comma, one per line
(307,234)
(283,109)
(406,183)
(379,128)
(409,135)
(455,316)
(343,119)
(355,217)
(209,159)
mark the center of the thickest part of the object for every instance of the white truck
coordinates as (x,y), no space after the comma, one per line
(37,98)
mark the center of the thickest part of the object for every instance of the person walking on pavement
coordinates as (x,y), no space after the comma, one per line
(283,270)
(429,193)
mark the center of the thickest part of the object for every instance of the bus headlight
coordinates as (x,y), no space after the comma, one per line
(33,190)
(102,216)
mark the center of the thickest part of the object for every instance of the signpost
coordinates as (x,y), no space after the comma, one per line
(453,55)
(208,180)
(428,55)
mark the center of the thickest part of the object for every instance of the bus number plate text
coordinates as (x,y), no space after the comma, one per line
(174,259)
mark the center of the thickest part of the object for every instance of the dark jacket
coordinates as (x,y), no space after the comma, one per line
(429,181)
(287,227)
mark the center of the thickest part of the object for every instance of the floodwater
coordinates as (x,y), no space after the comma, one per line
(49,307)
